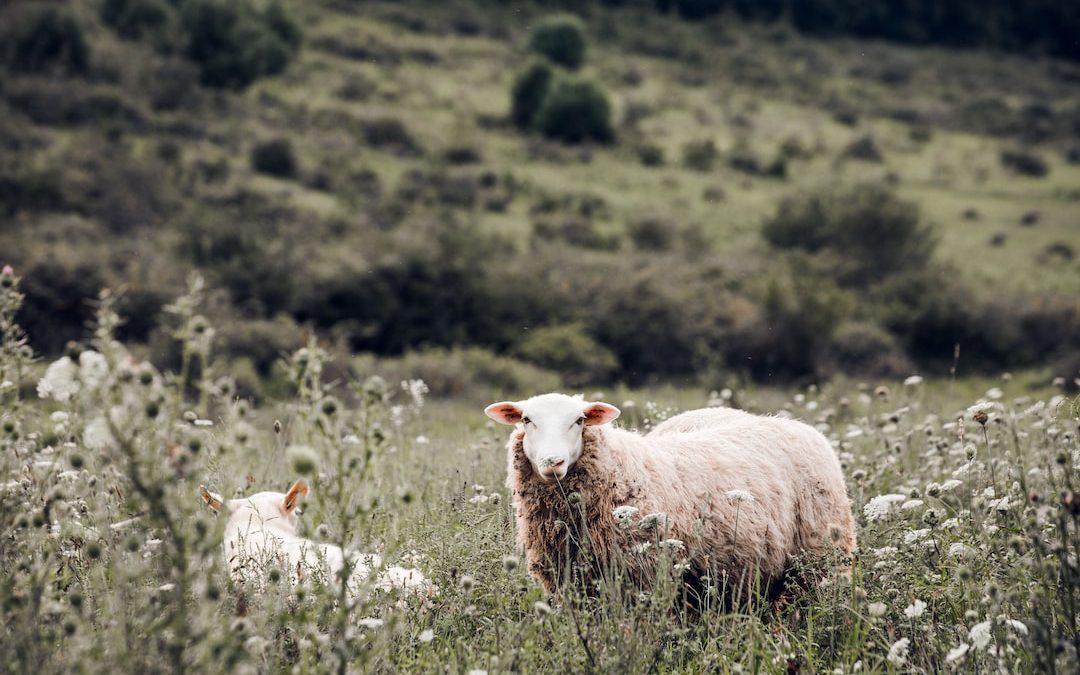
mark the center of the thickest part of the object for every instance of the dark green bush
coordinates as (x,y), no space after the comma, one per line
(872,232)
(45,38)
(864,148)
(651,154)
(235,44)
(275,158)
(560,38)
(529,91)
(389,133)
(576,110)
(700,155)
(133,19)
(59,302)
(1025,163)
(653,234)
(865,349)
(472,371)
(568,350)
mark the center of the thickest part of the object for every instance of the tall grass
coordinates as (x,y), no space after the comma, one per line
(967,512)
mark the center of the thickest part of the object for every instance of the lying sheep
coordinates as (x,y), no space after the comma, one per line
(261,530)
(736,498)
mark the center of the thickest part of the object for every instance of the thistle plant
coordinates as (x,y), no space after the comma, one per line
(15,352)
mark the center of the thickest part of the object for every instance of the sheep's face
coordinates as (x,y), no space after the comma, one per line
(276,510)
(553,426)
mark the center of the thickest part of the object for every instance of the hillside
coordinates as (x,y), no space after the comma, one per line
(398,208)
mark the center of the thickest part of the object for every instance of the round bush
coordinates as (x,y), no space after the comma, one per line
(134,18)
(46,38)
(275,158)
(570,351)
(576,110)
(560,38)
(530,88)
(234,44)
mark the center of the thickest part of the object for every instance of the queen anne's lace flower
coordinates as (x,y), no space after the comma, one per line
(898,652)
(880,507)
(915,609)
(93,369)
(980,635)
(957,653)
(60,381)
(740,496)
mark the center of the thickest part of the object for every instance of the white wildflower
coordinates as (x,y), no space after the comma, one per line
(477,671)
(740,496)
(898,652)
(1000,505)
(427,635)
(995,393)
(951,484)
(624,515)
(980,635)
(422,440)
(203,423)
(672,545)
(97,435)
(1018,626)
(642,548)
(913,381)
(654,520)
(369,622)
(59,416)
(879,507)
(960,550)
(416,390)
(93,369)
(479,499)
(957,653)
(885,552)
(876,609)
(853,432)
(59,382)
(911,504)
(915,609)
(916,535)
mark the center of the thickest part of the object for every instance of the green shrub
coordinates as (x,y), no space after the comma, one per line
(275,158)
(389,133)
(653,234)
(872,232)
(1025,163)
(865,349)
(700,155)
(570,351)
(530,88)
(43,39)
(560,38)
(133,19)
(235,44)
(650,154)
(576,110)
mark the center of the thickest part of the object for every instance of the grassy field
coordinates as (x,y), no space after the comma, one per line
(964,495)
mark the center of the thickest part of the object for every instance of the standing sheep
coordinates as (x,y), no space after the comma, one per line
(735,496)
(261,530)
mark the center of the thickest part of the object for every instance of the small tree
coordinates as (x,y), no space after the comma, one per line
(576,110)
(275,158)
(530,88)
(45,38)
(560,38)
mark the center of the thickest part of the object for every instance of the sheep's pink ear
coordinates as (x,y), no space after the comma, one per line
(505,412)
(212,500)
(292,497)
(600,413)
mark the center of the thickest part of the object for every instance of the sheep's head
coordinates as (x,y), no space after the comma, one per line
(267,509)
(553,426)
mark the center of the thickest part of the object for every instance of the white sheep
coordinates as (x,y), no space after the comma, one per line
(261,532)
(736,498)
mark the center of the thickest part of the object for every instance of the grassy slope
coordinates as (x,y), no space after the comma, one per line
(442,102)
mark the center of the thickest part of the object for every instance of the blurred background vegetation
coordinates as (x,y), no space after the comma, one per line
(511,195)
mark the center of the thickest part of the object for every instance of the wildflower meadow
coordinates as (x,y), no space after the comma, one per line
(967,518)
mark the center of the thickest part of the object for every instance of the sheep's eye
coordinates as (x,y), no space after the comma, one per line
(581,420)
(526,420)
